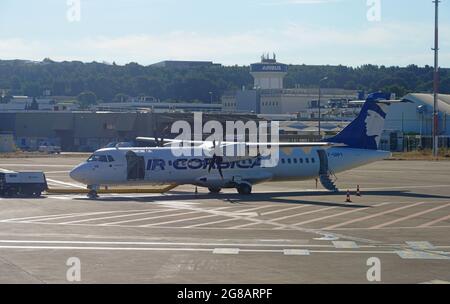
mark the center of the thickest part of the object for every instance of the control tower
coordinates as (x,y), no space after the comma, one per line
(268,74)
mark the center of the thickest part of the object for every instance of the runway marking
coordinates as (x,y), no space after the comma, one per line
(421,245)
(148,218)
(180,221)
(233,216)
(226,251)
(435,222)
(290,252)
(283,210)
(370,216)
(409,217)
(211,223)
(337,214)
(34,165)
(212,213)
(115,216)
(437,282)
(210,250)
(421,255)
(66,215)
(281,225)
(66,184)
(406,187)
(255,208)
(303,213)
(167,243)
(345,245)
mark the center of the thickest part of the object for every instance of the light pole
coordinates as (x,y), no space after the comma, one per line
(436,83)
(319,104)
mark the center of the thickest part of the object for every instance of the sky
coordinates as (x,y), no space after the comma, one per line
(230,32)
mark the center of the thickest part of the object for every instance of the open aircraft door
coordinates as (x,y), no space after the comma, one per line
(135,166)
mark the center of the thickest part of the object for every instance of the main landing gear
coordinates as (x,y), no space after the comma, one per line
(244,188)
(214,190)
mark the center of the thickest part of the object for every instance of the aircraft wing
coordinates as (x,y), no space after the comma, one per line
(211,144)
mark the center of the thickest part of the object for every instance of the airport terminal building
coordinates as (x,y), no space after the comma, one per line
(268,95)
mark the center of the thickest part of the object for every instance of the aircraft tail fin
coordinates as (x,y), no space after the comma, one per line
(365,131)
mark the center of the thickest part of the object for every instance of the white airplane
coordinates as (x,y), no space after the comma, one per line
(355,146)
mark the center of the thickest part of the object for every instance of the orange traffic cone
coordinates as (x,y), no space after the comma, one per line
(348,200)
(358,192)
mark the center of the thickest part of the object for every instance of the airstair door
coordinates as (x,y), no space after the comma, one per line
(323,157)
(135,166)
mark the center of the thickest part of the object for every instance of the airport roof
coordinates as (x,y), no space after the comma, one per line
(427,99)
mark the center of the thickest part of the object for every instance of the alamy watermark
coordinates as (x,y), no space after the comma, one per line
(374,272)
(237,141)
(73,10)
(73,274)
(374,10)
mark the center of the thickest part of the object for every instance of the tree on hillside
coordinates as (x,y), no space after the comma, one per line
(87,99)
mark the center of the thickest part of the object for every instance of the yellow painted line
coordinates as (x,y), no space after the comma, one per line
(111,191)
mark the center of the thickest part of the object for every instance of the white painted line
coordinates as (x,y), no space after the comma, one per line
(148,218)
(409,217)
(345,245)
(34,165)
(421,245)
(66,184)
(63,216)
(226,251)
(303,213)
(183,220)
(437,282)
(283,210)
(420,255)
(165,244)
(409,187)
(50,216)
(335,215)
(370,216)
(253,209)
(113,217)
(296,252)
(212,223)
(429,224)
(234,217)
(103,248)
(282,226)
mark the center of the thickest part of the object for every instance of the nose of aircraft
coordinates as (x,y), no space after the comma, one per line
(78,174)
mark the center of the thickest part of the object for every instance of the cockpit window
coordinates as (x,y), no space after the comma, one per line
(110,158)
(98,158)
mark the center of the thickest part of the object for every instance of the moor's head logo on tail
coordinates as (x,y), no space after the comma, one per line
(365,131)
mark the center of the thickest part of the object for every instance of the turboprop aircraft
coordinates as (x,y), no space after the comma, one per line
(355,146)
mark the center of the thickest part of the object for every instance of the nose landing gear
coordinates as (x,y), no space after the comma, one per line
(93,193)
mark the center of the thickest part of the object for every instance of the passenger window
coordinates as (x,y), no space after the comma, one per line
(313,160)
(295,160)
(283,161)
(307,160)
(301,160)
(289,161)
(110,159)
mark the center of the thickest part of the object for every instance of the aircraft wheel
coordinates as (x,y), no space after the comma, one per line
(214,190)
(244,189)
(92,194)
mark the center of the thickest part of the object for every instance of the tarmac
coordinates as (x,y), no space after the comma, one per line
(290,232)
